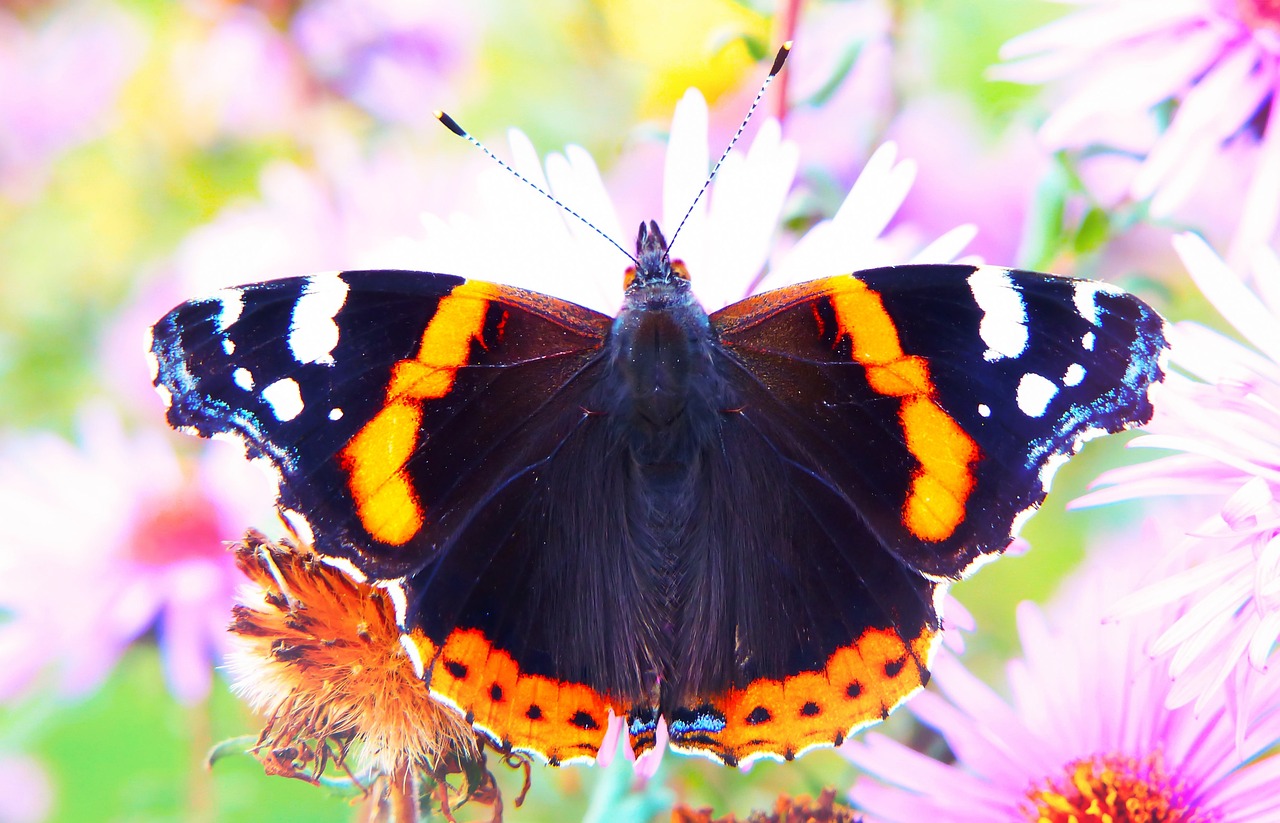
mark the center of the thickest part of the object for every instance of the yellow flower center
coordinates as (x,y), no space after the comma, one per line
(1114,789)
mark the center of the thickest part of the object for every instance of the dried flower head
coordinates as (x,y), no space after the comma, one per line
(321,654)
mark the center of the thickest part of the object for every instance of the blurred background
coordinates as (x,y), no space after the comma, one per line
(154,149)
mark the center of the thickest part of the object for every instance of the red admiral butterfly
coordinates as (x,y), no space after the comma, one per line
(743,522)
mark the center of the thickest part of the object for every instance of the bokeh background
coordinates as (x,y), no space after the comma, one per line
(152,149)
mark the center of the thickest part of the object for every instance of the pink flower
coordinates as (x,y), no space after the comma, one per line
(398,59)
(1221,414)
(72,66)
(1086,736)
(1216,61)
(103,542)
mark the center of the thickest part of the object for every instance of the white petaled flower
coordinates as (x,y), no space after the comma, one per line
(730,242)
(1216,61)
(1220,412)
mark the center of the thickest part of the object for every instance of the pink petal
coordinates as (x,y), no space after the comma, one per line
(1224,289)
(1103,26)
(1150,73)
(1212,110)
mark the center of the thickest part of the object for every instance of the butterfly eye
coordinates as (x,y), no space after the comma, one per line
(679,269)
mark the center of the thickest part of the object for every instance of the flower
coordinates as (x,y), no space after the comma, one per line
(398,59)
(103,542)
(1087,735)
(1222,416)
(1216,61)
(356,211)
(73,65)
(322,652)
(729,241)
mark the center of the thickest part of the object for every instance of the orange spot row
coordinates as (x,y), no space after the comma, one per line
(375,458)
(941,485)
(859,685)
(559,721)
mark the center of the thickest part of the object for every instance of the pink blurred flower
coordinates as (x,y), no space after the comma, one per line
(355,209)
(399,59)
(72,65)
(106,541)
(26,793)
(1087,734)
(1218,61)
(233,48)
(1221,413)
(968,177)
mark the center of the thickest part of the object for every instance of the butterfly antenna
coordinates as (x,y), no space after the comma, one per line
(452,125)
(773,72)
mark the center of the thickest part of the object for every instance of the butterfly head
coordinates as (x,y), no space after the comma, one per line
(654,265)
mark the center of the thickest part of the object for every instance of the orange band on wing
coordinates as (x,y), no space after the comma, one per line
(935,504)
(860,684)
(376,457)
(561,722)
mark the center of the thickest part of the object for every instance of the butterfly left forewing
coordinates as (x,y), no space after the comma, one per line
(335,380)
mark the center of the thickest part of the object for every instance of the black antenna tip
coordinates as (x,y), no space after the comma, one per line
(781,58)
(451,124)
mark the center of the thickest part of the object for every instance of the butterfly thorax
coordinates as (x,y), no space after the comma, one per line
(661,347)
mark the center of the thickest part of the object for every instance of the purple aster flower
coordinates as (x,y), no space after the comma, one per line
(1216,61)
(72,65)
(1221,414)
(1087,735)
(103,542)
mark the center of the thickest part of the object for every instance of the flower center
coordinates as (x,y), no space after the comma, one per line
(182,527)
(1114,789)
(1260,13)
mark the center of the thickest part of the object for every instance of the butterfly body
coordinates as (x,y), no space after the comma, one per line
(742,522)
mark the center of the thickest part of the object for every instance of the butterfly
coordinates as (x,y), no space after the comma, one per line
(742,523)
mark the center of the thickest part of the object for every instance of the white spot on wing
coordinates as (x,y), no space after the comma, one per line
(243,378)
(1075,373)
(335,414)
(1034,394)
(232,301)
(166,396)
(153,362)
(1004,314)
(285,399)
(1088,340)
(228,345)
(1086,299)
(984,410)
(312,330)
